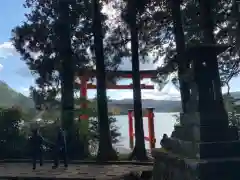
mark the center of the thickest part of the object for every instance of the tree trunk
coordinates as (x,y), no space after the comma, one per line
(105,150)
(180,47)
(63,32)
(139,151)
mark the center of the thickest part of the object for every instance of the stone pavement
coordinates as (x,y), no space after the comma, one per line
(74,171)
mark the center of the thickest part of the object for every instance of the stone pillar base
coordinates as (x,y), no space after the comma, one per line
(222,169)
(171,166)
(192,133)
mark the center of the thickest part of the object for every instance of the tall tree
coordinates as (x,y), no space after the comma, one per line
(132,10)
(45,48)
(105,150)
(53,43)
(63,46)
(180,48)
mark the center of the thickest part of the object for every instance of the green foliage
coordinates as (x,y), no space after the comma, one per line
(231,107)
(14,134)
(91,127)
(49,43)
(12,141)
(60,33)
(9,98)
(152,17)
(233,110)
(34,37)
(94,137)
(226,28)
(37,42)
(114,130)
(94,130)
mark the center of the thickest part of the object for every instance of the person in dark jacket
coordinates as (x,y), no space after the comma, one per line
(36,142)
(60,150)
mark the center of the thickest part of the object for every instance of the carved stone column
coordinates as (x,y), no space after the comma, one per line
(187,133)
(218,144)
(203,142)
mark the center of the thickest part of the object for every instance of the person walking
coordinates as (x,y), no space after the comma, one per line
(36,142)
(60,150)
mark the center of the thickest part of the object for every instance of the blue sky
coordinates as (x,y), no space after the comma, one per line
(12,14)
(14,72)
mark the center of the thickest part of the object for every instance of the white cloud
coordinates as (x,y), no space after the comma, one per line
(1,67)
(24,91)
(6,50)
(169,92)
(127,65)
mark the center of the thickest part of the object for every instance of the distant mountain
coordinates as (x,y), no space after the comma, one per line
(9,98)
(235,95)
(159,105)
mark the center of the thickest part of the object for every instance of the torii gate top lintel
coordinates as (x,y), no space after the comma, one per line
(118,73)
(84,75)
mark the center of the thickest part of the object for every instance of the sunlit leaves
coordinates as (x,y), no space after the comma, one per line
(226,20)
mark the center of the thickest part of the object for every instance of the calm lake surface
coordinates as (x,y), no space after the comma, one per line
(164,123)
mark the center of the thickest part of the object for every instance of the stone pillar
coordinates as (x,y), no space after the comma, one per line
(203,142)
(187,133)
(218,144)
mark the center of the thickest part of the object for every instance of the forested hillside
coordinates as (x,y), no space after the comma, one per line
(9,97)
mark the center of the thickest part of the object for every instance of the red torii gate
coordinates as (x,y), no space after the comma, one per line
(85,75)
(151,133)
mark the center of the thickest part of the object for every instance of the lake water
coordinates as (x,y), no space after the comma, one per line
(163,122)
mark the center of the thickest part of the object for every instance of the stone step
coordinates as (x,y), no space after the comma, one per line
(228,149)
